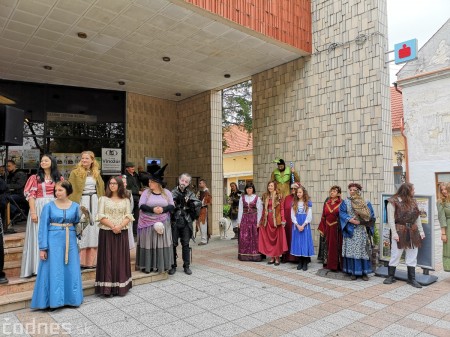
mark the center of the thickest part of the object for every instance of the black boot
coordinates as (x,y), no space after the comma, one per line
(187,270)
(412,277)
(300,264)
(173,269)
(236,233)
(391,276)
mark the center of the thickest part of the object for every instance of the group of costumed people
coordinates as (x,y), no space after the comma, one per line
(278,225)
(74,224)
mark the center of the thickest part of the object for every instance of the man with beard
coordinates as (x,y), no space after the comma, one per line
(187,209)
(282,175)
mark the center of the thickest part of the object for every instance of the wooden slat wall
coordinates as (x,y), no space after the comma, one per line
(288,21)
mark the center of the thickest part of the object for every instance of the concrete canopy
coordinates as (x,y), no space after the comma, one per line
(126,42)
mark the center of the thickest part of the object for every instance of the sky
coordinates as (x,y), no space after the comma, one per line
(414,19)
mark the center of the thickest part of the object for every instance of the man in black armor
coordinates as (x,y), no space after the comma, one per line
(187,209)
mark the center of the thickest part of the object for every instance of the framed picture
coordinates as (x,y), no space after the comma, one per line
(425,256)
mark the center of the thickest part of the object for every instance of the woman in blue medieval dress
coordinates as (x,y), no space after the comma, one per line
(301,214)
(357,223)
(58,281)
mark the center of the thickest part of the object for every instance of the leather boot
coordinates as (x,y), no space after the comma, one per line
(412,277)
(236,234)
(391,276)
(172,270)
(300,264)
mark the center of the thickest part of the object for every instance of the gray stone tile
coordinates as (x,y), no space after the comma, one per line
(249,322)
(443,324)
(253,305)
(128,299)
(230,312)
(176,288)
(167,302)
(156,318)
(274,299)
(105,318)
(210,303)
(66,313)
(422,318)
(373,304)
(138,309)
(191,295)
(151,293)
(229,329)
(323,326)
(205,320)
(232,297)
(95,307)
(354,315)
(254,292)
(216,279)
(307,331)
(124,328)
(185,310)
(215,289)
(176,329)
(442,304)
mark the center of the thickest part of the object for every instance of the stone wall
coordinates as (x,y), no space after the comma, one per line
(151,126)
(200,145)
(329,112)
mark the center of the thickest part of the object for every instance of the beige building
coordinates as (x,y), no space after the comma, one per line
(320,85)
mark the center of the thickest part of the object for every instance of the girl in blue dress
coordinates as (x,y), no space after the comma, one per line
(58,281)
(301,215)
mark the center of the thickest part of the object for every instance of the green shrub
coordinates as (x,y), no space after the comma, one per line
(226,210)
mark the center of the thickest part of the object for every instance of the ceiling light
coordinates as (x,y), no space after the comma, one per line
(48,67)
(121,82)
(82,35)
(178,94)
(227,75)
(166,58)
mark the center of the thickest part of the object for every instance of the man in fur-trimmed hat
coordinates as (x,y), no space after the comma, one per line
(282,175)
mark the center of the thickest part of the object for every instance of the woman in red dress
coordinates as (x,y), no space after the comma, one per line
(330,229)
(272,237)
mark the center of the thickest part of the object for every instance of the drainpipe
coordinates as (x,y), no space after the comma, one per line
(402,131)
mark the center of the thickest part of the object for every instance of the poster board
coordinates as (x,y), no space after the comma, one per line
(66,162)
(425,256)
(111,161)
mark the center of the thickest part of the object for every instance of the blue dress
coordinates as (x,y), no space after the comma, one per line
(57,283)
(356,259)
(302,242)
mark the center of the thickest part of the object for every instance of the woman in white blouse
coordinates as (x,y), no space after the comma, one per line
(250,211)
(113,276)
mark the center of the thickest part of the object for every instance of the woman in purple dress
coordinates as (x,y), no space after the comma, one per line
(249,215)
(154,248)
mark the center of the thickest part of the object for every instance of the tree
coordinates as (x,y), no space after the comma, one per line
(237,108)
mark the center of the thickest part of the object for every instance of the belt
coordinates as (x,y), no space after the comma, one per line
(249,212)
(90,199)
(66,226)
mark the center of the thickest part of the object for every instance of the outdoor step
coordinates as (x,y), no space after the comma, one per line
(12,268)
(14,240)
(22,300)
(13,254)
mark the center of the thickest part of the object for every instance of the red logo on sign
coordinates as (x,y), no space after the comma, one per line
(404,52)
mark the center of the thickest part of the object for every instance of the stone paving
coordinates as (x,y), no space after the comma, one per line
(226,297)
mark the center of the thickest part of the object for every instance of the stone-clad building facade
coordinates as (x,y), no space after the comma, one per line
(327,112)
(320,84)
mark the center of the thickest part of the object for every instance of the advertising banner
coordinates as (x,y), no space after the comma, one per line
(111,161)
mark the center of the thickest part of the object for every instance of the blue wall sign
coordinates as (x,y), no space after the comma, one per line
(405,51)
